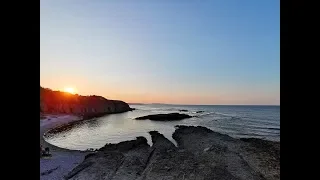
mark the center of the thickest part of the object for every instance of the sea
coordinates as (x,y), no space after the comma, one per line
(238,121)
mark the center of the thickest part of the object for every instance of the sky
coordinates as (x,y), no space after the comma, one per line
(168,51)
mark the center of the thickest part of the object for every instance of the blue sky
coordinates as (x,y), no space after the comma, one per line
(184,52)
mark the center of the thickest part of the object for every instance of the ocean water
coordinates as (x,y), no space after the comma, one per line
(237,121)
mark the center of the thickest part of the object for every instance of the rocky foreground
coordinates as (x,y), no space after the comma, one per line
(201,154)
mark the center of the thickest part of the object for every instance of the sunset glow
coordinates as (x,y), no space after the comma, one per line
(69,90)
(221,52)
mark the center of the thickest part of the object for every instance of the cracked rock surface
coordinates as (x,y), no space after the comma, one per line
(201,155)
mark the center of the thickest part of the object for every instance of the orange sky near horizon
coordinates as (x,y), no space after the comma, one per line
(138,95)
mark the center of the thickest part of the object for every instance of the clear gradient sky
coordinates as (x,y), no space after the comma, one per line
(168,51)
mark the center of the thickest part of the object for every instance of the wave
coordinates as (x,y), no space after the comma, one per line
(274,129)
(237,117)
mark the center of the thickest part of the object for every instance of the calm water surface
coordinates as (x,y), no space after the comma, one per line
(237,121)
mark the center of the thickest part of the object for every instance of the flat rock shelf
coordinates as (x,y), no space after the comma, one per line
(200,154)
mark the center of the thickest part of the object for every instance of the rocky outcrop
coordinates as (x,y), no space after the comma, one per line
(201,154)
(61,102)
(183,110)
(165,117)
(125,160)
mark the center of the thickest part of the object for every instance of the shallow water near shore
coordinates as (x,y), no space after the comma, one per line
(237,121)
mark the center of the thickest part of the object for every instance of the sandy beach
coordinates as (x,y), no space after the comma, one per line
(62,160)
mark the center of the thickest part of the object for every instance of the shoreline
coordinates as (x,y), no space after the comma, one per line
(68,121)
(200,143)
(52,121)
(63,160)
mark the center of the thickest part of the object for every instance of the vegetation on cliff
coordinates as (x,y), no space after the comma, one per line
(62,102)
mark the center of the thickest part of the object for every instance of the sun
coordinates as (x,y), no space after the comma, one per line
(69,90)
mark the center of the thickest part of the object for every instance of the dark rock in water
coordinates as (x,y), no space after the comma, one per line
(165,117)
(183,110)
(199,111)
(201,154)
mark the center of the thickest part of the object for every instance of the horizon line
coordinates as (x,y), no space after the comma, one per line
(207,104)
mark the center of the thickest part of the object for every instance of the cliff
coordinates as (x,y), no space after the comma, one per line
(62,102)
